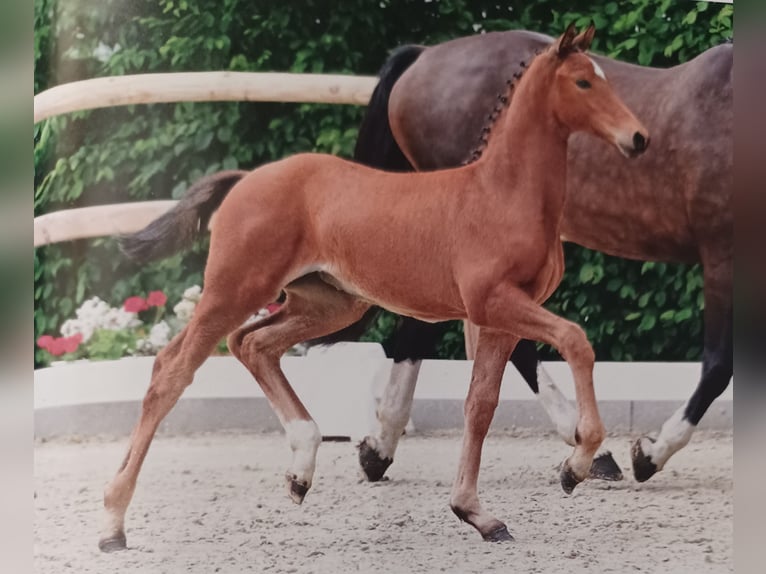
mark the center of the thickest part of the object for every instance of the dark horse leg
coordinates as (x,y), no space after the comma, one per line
(649,454)
(414,340)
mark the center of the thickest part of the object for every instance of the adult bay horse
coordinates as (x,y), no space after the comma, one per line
(672,205)
(338,237)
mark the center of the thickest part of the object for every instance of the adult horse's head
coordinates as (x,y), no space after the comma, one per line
(583,99)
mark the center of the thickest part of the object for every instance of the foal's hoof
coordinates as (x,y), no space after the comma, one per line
(643,467)
(113,543)
(499,534)
(568,478)
(296,489)
(604,467)
(373,466)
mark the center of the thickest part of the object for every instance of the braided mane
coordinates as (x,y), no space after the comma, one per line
(503,98)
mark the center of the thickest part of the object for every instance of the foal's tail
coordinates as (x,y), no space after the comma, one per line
(178,228)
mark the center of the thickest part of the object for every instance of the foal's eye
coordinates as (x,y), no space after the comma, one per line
(584,84)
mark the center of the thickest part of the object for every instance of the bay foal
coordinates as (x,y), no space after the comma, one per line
(478,242)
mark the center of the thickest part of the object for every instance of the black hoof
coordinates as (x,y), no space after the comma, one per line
(643,467)
(499,534)
(372,465)
(604,467)
(113,544)
(296,489)
(568,478)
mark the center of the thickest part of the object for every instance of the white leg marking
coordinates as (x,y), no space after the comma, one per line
(395,406)
(597,69)
(304,438)
(113,523)
(562,413)
(674,435)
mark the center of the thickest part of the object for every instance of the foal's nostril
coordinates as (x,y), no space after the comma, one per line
(639,142)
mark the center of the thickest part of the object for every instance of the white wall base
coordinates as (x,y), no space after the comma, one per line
(340,386)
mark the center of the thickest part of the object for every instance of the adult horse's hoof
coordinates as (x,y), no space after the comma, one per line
(113,543)
(499,534)
(568,478)
(296,489)
(604,467)
(643,467)
(373,466)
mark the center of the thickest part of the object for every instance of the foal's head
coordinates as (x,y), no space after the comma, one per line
(582,98)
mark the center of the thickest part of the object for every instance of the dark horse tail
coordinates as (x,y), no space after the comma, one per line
(376,147)
(188,219)
(375,144)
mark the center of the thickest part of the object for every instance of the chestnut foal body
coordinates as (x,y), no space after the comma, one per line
(479,242)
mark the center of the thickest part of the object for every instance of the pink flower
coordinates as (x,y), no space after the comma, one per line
(156,299)
(70,344)
(44,342)
(135,304)
(57,347)
(60,345)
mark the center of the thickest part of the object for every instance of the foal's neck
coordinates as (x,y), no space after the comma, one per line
(526,156)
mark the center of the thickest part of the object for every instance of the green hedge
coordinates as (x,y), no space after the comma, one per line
(631,310)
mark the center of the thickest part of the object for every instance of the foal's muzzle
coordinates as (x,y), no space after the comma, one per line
(636,147)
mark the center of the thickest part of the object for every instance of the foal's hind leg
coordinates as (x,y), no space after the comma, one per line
(492,352)
(312,309)
(173,371)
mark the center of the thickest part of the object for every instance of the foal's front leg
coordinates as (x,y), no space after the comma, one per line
(492,352)
(509,308)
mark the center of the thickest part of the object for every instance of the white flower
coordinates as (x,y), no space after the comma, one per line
(193,293)
(159,336)
(184,310)
(96,314)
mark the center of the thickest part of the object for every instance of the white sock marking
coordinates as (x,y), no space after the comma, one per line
(395,406)
(563,414)
(674,435)
(304,438)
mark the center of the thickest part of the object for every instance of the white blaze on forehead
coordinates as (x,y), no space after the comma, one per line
(597,69)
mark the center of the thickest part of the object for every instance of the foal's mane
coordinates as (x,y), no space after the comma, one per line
(503,99)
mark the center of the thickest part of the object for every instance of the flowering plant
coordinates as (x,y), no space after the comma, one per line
(100,331)
(139,327)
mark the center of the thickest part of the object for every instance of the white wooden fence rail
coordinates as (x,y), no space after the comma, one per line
(106,220)
(203,87)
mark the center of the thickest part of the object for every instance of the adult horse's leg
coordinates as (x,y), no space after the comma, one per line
(312,308)
(493,350)
(558,408)
(173,371)
(412,341)
(650,455)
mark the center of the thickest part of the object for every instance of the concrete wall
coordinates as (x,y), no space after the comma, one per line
(340,386)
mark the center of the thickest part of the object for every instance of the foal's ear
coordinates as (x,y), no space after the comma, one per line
(564,45)
(584,39)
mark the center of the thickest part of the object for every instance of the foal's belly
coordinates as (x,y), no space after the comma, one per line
(414,294)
